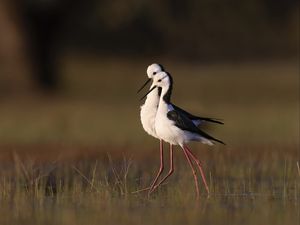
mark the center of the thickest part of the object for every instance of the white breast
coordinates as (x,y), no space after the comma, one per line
(165,128)
(148,113)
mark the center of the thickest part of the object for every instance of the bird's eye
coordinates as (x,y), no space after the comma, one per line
(159,80)
(154,73)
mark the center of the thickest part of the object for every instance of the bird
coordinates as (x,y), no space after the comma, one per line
(148,115)
(149,108)
(174,126)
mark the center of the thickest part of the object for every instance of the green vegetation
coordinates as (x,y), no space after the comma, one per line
(245,187)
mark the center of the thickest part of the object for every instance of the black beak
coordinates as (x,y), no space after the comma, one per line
(144,85)
(148,92)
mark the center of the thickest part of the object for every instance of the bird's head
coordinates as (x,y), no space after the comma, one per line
(152,70)
(161,80)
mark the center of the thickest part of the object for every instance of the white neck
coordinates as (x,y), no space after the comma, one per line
(162,104)
(152,98)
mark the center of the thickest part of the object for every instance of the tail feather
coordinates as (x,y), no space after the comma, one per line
(212,120)
(217,140)
(208,137)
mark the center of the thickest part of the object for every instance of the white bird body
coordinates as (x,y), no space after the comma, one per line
(148,113)
(149,108)
(166,129)
(173,125)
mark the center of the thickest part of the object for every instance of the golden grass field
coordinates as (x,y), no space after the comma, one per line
(76,157)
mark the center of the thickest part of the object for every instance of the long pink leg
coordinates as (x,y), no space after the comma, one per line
(199,167)
(161,166)
(193,170)
(170,171)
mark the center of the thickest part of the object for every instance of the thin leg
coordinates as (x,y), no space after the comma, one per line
(199,167)
(193,170)
(170,171)
(161,166)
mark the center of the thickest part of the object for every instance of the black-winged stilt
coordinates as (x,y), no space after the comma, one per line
(148,114)
(174,126)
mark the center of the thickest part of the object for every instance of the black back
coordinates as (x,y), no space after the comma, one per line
(192,117)
(183,122)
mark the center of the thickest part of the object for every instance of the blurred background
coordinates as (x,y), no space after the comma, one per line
(70,71)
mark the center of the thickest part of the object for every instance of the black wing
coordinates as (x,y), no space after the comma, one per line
(192,117)
(183,122)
